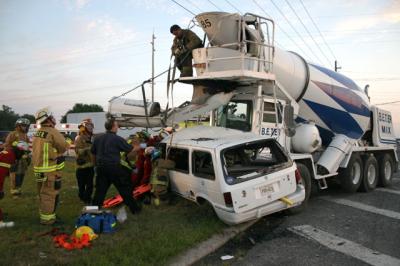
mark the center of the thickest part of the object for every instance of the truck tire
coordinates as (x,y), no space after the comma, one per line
(351,176)
(370,174)
(386,169)
(306,181)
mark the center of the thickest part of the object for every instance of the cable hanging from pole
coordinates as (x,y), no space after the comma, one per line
(184,7)
(139,86)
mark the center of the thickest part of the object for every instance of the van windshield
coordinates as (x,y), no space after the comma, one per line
(254,159)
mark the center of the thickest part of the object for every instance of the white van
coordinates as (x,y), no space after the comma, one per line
(242,175)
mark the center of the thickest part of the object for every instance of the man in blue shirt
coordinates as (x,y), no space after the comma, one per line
(106,150)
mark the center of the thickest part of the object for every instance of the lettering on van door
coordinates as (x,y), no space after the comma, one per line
(270,132)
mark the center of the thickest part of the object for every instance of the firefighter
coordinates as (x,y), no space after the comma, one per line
(106,150)
(184,42)
(48,147)
(18,169)
(84,160)
(8,157)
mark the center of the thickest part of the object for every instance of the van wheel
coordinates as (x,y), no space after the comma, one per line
(386,169)
(351,176)
(206,206)
(306,182)
(370,174)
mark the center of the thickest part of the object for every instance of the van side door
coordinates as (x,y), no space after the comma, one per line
(204,174)
(180,175)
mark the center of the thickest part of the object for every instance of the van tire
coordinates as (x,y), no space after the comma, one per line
(386,169)
(306,181)
(206,206)
(352,176)
(370,174)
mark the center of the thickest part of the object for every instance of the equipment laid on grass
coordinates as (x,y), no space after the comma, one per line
(82,230)
(116,200)
(103,222)
(71,243)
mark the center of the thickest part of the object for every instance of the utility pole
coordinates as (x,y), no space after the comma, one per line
(152,66)
(336,66)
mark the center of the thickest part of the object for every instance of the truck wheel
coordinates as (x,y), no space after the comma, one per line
(386,169)
(306,181)
(370,174)
(351,176)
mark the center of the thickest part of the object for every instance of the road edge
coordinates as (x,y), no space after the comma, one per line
(210,245)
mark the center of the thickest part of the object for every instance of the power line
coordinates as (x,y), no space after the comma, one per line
(233,6)
(281,29)
(308,32)
(195,5)
(214,5)
(378,79)
(184,7)
(315,25)
(44,96)
(294,29)
(386,103)
(74,55)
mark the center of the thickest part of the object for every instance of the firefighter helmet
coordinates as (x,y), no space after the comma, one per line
(87,124)
(43,114)
(149,150)
(22,121)
(80,231)
(23,124)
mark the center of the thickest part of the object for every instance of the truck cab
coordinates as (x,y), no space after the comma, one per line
(240,114)
(243,176)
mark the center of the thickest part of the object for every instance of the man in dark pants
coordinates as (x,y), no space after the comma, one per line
(84,161)
(106,150)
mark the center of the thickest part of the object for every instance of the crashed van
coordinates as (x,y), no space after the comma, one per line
(241,175)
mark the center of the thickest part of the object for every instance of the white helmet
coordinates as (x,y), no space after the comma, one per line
(43,114)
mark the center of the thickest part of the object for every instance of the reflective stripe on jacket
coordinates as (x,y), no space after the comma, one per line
(47,148)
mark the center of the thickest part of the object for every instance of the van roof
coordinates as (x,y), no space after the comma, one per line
(210,137)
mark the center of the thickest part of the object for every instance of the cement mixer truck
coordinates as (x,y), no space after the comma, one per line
(323,119)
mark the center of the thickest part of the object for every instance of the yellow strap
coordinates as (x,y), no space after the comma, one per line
(125,164)
(6,165)
(287,201)
(47,217)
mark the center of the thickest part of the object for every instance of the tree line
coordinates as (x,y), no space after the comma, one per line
(8,116)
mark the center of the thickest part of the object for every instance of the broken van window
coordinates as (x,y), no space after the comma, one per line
(181,159)
(202,165)
(247,161)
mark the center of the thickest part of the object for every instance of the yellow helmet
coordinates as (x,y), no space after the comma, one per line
(80,231)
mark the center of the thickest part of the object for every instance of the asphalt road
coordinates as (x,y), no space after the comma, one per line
(335,229)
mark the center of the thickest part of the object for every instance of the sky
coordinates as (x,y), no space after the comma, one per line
(60,52)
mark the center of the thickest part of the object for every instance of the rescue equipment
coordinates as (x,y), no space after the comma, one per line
(82,230)
(287,201)
(71,243)
(100,223)
(137,192)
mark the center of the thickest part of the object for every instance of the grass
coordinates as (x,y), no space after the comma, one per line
(153,237)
